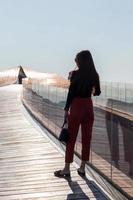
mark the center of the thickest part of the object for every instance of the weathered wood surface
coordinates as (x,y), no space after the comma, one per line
(28,159)
(51,116)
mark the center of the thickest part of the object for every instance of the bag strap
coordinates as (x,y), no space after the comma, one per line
(65,121)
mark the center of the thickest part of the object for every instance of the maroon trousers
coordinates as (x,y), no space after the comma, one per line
(81,113)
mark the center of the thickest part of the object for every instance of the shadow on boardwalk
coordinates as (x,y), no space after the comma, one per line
(78,192)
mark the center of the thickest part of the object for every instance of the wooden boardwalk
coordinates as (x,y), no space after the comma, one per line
(28,159)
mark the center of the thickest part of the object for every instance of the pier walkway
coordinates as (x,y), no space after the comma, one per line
(28,159)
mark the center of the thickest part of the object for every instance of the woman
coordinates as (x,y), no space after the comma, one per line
(79,110)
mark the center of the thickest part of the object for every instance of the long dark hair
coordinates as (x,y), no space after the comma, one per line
(87,74)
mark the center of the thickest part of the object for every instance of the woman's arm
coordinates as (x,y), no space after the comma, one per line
(71,90)
(70,96)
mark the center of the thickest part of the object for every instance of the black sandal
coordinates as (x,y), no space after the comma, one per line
(58,174)
(80,173)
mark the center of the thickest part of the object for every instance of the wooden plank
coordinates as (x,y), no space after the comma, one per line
(28,159)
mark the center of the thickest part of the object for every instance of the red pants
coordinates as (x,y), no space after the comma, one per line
(81,113)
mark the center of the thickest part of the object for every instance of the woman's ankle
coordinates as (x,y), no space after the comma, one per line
(81,169)
(82,166)
(67,167)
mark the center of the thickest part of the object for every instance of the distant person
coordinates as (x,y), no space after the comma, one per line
(79,109)
(21,75)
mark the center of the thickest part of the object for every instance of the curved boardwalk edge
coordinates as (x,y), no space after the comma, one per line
(28,159)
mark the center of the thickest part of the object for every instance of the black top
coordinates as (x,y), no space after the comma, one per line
(85,92)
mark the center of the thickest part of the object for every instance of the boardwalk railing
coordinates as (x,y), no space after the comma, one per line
(112,141)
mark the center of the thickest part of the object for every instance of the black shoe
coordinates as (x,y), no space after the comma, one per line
(80,173)
(60,175)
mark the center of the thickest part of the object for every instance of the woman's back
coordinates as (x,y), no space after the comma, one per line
(85,81)
(84,85)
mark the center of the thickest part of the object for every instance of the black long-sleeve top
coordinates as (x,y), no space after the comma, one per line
(83,92)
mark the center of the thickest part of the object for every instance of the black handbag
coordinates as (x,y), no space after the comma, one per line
(64,136)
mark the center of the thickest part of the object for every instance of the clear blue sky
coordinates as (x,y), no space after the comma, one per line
(46,34)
